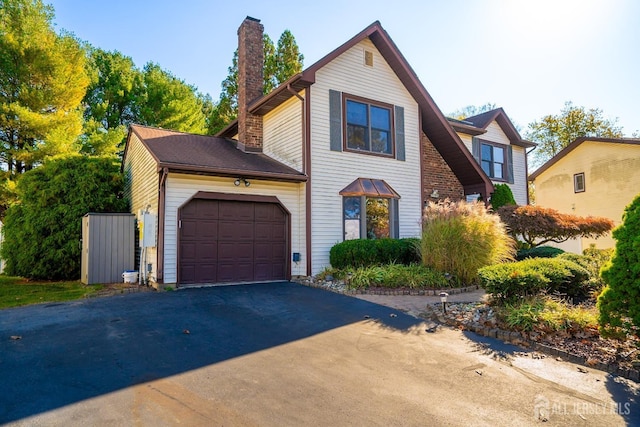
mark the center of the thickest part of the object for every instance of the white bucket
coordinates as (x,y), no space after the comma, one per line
(130,276)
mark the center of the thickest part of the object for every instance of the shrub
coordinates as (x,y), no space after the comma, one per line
(538,225)
(619,302)
(510,281)
(42,231)
(396,276)
(363,253)
(592,261)
(547,314)
(502,195)
(460,237)
(538,252)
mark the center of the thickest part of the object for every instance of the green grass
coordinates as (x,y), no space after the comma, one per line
(16,291)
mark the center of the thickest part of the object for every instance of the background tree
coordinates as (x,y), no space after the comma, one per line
(41,233)
(280,64)
(619,302)
(42,83)
(554,132)
(537,225)
(170,103)
(472,110)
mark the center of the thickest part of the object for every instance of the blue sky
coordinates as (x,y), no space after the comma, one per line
(527,56)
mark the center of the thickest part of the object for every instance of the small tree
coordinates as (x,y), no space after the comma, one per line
(619,302)
(42,231)
(502,195)
(460,237)
(537,225)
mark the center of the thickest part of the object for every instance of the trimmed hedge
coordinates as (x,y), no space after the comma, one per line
(365,253)
(511,281)
(538,252)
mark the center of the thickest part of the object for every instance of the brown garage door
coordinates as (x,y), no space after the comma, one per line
(232,241)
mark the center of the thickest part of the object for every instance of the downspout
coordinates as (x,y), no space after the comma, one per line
(162,189)
(306,169)
(526,167)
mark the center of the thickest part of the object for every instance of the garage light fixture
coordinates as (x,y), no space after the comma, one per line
(240,180)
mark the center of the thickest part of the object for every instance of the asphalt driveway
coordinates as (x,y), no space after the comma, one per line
(278,354)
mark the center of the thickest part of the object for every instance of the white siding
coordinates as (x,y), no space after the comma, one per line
(331,171)
(180,188)
(142,179)
(494,133)
(283,133)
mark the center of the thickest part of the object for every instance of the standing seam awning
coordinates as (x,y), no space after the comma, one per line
(370,188)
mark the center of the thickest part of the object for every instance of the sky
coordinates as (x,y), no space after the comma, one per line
(526,56)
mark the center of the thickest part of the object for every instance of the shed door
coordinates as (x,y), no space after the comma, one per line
(222,241)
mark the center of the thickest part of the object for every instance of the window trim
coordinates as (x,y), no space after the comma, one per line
(369,102)
(394,229)
(575,183)
(505,170)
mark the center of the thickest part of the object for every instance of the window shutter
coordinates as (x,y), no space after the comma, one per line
(395,234)
(510,179)
(399,128)
(475,149)
(335,118)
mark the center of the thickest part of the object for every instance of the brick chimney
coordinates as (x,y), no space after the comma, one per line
(250,81)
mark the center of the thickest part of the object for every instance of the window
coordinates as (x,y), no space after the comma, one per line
(492,160)
(368,127)
(375,221)
(578,183)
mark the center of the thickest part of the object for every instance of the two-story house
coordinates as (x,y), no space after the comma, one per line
(352,147)
(590,177)
(498,148)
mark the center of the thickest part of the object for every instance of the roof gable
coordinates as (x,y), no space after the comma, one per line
(201,154)
(482,121)
(434,124)
(575,144)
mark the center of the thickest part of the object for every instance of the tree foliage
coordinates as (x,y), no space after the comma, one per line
(42,231)
(280,63)
(554,132)
(537,225)
(42,83)
(472,110)
(502,195)
(619,302)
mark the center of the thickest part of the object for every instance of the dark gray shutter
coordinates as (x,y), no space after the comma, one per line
(510,164)
(399,125)
(396,219)
(475,149)
(335,117)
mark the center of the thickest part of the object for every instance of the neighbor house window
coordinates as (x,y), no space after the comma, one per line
(369,217)
(368,126)
(493,161)
(578,182)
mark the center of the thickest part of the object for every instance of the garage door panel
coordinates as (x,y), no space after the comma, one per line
(225,241)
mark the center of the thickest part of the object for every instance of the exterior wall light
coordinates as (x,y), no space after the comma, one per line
(238,181)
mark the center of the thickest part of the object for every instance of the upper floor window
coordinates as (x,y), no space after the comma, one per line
(492,160)
(368,126)
(578,183)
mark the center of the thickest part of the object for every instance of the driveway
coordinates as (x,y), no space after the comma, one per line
(278,354)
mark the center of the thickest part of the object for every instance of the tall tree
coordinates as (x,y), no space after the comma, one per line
(554,132)
(289,60)
(472,110)
(170,103)
(42,83)
(280,64)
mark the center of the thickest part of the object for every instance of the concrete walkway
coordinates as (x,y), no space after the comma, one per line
(414,305)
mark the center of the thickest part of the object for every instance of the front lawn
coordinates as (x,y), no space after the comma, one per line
(16,291)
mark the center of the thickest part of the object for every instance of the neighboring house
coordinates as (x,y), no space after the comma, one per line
(352,147)
(498,148)
(590,177)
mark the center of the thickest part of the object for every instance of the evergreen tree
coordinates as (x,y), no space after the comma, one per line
(619,302)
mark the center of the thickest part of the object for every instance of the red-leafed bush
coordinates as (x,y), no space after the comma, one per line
(537,225)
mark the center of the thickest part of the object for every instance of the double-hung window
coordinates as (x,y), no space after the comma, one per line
(493,161)
(368,126)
